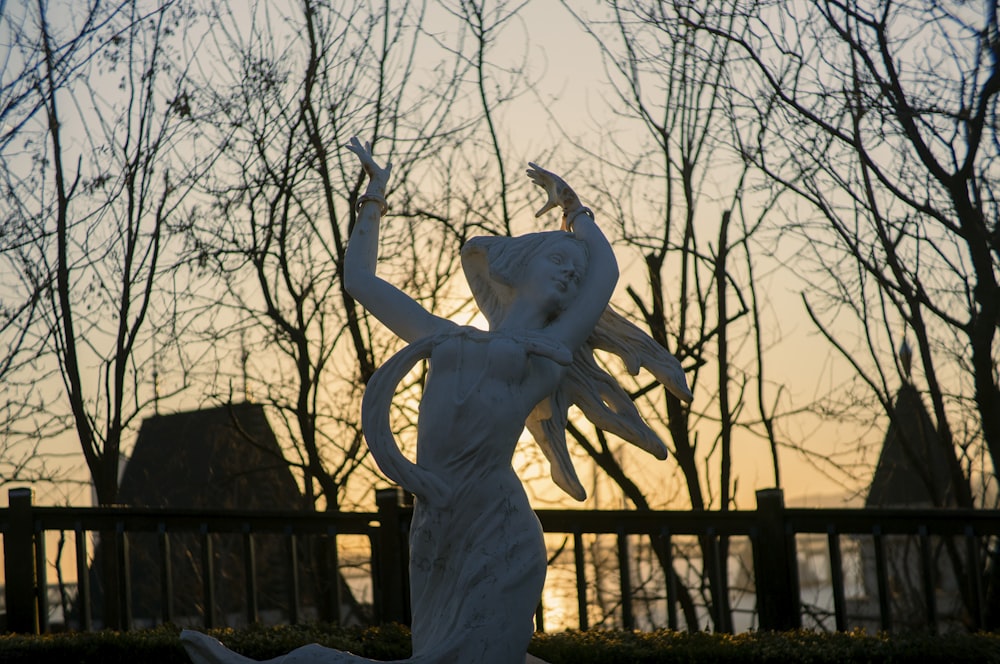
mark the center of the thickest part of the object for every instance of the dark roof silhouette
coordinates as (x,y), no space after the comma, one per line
(214,459)
(915,468)
(217,458)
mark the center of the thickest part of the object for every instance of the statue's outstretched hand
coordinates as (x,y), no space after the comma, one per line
(560,194)
(378,175)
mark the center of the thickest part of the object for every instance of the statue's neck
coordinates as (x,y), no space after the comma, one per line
(523,316)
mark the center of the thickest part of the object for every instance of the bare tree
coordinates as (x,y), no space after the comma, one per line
(22,426)
(21,460)
(94,191)
(889,135)
(93,126)
(493,84)
(693,228)
(305,79)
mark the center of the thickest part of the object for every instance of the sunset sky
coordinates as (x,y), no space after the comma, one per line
(801,366)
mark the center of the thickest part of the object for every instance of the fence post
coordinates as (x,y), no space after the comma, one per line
(775,565)
(393,558)
(19,563)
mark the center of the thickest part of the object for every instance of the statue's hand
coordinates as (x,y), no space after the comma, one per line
(560,194)
(378,175)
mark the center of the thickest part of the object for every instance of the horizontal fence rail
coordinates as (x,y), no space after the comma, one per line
(942,554)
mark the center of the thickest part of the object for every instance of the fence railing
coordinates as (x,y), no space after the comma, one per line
(942,554)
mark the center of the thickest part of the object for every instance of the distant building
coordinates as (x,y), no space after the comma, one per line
(224,458)
(217,458)
(916,469)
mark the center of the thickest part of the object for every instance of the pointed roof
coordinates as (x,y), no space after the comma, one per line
(915,467)
(216,458)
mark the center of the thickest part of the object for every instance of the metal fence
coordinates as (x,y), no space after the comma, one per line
(885,568)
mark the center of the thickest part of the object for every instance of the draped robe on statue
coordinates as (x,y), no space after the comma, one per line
(477,565)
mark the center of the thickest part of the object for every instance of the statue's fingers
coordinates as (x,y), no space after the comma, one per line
(548,206)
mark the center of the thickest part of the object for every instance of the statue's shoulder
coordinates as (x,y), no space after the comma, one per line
(534,342)
(543,345)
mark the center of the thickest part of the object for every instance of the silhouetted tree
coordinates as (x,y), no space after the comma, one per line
(672,177)
(888,135)
(96,118)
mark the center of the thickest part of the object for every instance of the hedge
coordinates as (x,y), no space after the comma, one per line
(162,646)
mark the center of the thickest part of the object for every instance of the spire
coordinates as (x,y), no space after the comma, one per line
(156,379)
(906,359)
(244,360)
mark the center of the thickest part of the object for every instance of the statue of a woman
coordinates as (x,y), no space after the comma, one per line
(477,555)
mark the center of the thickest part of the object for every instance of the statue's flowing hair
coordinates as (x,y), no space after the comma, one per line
(492,266)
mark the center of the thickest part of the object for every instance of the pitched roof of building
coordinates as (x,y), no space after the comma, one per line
(915,467)
(218,458)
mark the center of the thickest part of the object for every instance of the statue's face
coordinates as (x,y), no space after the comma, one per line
(552,276)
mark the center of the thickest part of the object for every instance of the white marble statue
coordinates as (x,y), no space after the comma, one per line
(477,556)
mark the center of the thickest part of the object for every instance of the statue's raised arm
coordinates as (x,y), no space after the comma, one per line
(394,308)
(595,285)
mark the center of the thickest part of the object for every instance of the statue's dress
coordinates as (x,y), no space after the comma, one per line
(477,564)
(477,555)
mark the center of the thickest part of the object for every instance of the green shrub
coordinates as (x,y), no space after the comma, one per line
(763,648)
(162,646)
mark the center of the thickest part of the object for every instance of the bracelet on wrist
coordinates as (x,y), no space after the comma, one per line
(383,205)
(568,218)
